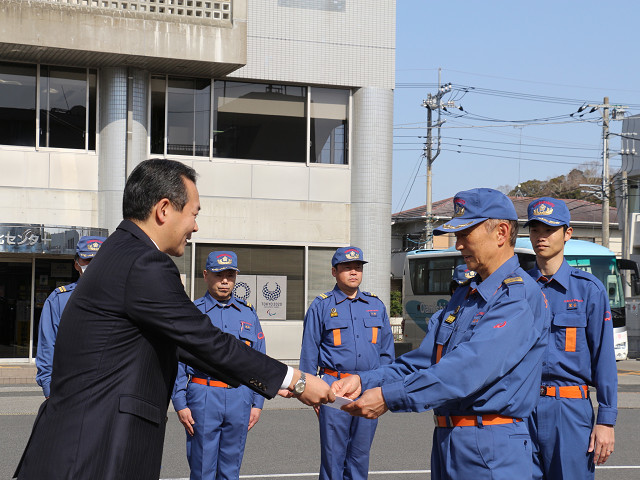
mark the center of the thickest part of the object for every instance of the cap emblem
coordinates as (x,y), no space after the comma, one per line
(458,207)
(95,246)
(469,274)
(224,260)
(542,209)
(352,255)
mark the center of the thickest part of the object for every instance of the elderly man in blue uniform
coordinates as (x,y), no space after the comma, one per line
(52,309)
(346,331)
(580,354)
(215,416)
(479,365)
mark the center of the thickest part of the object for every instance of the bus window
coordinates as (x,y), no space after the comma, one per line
(418,275)
(604,269)
(432,276)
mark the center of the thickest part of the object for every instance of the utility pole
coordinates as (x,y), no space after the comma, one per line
(618,110)
(605,173)
(433,102)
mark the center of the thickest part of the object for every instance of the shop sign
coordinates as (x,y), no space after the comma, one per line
(26,238)
(21,238)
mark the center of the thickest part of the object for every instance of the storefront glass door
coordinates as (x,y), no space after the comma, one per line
(15,309)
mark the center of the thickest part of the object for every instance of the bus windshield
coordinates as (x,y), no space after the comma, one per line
(604,269)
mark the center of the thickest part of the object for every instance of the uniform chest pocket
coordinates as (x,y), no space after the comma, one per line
(247,334)
(373,326)
(569,330)
(335,329)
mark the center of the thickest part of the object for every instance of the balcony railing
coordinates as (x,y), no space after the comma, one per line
(204,9)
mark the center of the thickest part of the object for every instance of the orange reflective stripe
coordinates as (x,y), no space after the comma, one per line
(337,339)
(570,339)
(374,335)
(439,353)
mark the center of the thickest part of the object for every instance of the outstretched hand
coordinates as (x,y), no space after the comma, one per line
(370,405)
(348,387)
(316,391)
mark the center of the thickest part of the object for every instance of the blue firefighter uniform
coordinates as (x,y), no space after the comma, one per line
(345,336)
(48,331)
(580,354)
(479,368)
(221,414)
(86,248)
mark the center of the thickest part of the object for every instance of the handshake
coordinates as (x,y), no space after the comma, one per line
(316,392)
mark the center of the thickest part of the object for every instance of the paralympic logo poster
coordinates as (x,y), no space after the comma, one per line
(267,293)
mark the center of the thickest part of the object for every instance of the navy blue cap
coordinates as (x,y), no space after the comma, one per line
(220,260)
(477,205)
(461,274)
(347,254)
(548,210)
(87,247)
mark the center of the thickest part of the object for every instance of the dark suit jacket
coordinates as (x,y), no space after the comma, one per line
(115,362)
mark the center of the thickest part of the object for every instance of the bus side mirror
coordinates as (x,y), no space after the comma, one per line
(625,264)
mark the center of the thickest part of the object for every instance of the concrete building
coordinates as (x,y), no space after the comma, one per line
(283,107)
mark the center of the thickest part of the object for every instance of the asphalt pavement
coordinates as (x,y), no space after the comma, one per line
(285,442)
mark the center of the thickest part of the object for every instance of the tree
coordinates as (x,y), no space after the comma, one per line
(566,186)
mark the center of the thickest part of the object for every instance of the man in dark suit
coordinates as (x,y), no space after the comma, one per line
(125,327)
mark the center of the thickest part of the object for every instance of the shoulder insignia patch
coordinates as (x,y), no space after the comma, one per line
(324,296)
(370,294)
(512,280)
(249,305)
(66,288)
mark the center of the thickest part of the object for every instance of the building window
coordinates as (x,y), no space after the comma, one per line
(250,121)
(259,121)
(66,105)
(262,261)
(18,104)
(319,276)
(184,106)
(158,112)
(329,125)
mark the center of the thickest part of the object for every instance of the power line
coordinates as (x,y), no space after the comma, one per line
(504,156)
(495,126)
(502,143)
(507,150)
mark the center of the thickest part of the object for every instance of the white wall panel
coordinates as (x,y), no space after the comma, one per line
(330,184)
(280,182)
(74,171)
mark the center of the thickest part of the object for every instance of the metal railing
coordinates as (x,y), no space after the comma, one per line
(204,9)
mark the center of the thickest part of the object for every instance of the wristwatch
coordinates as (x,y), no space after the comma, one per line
(300,385)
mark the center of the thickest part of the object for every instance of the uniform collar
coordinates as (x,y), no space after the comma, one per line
(490,285)
(340,296)
(211,302)
(561,276)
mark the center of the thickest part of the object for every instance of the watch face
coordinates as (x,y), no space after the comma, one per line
(299,387)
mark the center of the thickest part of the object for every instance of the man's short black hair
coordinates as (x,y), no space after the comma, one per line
(150,182)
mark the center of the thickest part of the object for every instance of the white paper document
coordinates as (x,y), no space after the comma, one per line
(340,401)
